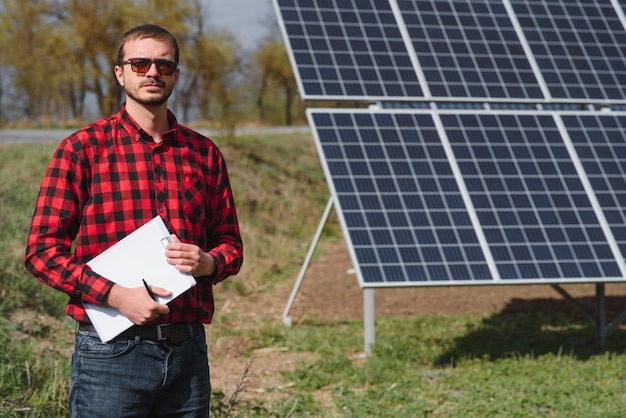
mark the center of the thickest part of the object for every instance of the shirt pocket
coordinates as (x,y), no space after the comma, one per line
(193,197)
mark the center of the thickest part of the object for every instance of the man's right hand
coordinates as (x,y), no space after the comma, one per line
(136,304)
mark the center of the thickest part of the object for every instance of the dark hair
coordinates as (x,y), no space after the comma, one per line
(146,31)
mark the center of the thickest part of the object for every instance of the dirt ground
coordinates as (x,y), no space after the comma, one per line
(330,292)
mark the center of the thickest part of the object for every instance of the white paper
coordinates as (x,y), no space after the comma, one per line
(139,255)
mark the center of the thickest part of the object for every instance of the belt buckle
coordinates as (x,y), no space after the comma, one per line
(159,332)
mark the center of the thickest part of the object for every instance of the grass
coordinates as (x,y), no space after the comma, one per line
(503,365)
(452,366)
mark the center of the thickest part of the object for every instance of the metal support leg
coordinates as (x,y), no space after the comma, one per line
(368,319)
(601,331)
(576,304)
(307,261)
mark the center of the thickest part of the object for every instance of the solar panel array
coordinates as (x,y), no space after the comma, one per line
(477,50)
(473,167)
(466,197)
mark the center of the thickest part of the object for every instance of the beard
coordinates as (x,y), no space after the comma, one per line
(152,99)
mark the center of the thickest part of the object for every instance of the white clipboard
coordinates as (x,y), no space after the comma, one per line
(139,255)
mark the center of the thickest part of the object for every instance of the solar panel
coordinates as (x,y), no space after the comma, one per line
(529,198)
(469,49)
(467,197)
(347,49)
(399,201)
(600,142)
(473,50)
(579,46)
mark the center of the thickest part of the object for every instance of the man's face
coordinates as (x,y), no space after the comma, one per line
(149,88)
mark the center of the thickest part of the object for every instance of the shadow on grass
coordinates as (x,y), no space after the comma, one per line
(539,326)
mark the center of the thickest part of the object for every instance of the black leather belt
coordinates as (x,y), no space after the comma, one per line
(172,333)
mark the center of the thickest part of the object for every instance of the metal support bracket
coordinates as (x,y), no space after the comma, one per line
(599,319)
(307,262)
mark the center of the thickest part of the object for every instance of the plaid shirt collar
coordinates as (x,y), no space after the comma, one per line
(136,132)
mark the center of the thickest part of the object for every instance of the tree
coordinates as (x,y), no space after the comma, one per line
(62,50)
(3,69)
(29,48)
(216,67)
(275,71)
(57,55)
(98,24)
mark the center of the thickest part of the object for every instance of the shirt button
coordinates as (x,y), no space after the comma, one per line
(161,210)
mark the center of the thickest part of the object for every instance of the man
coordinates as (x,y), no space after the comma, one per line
(105,181)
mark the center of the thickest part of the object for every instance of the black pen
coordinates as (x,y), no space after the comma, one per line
(148,289)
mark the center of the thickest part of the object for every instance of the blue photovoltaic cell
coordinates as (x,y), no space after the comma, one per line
(348,49)
(469,49)
(600,143)
(579,46)
(530,201)
(402,208)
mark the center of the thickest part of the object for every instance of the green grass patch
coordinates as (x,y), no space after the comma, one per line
(417,369)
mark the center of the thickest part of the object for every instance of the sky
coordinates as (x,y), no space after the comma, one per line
(246,19)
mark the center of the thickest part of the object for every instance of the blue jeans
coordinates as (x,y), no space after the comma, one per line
(139,378)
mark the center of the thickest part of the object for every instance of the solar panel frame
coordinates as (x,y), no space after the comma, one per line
(590,249)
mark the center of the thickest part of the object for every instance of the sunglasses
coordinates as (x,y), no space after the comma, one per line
(142,65)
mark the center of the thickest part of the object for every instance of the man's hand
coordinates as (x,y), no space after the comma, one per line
(136,304)
(189,258)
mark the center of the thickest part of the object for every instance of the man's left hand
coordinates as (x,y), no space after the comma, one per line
(189,258)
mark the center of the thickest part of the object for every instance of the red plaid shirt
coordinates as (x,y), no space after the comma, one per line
(108,179)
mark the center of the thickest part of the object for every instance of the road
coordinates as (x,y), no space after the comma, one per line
(41,136)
